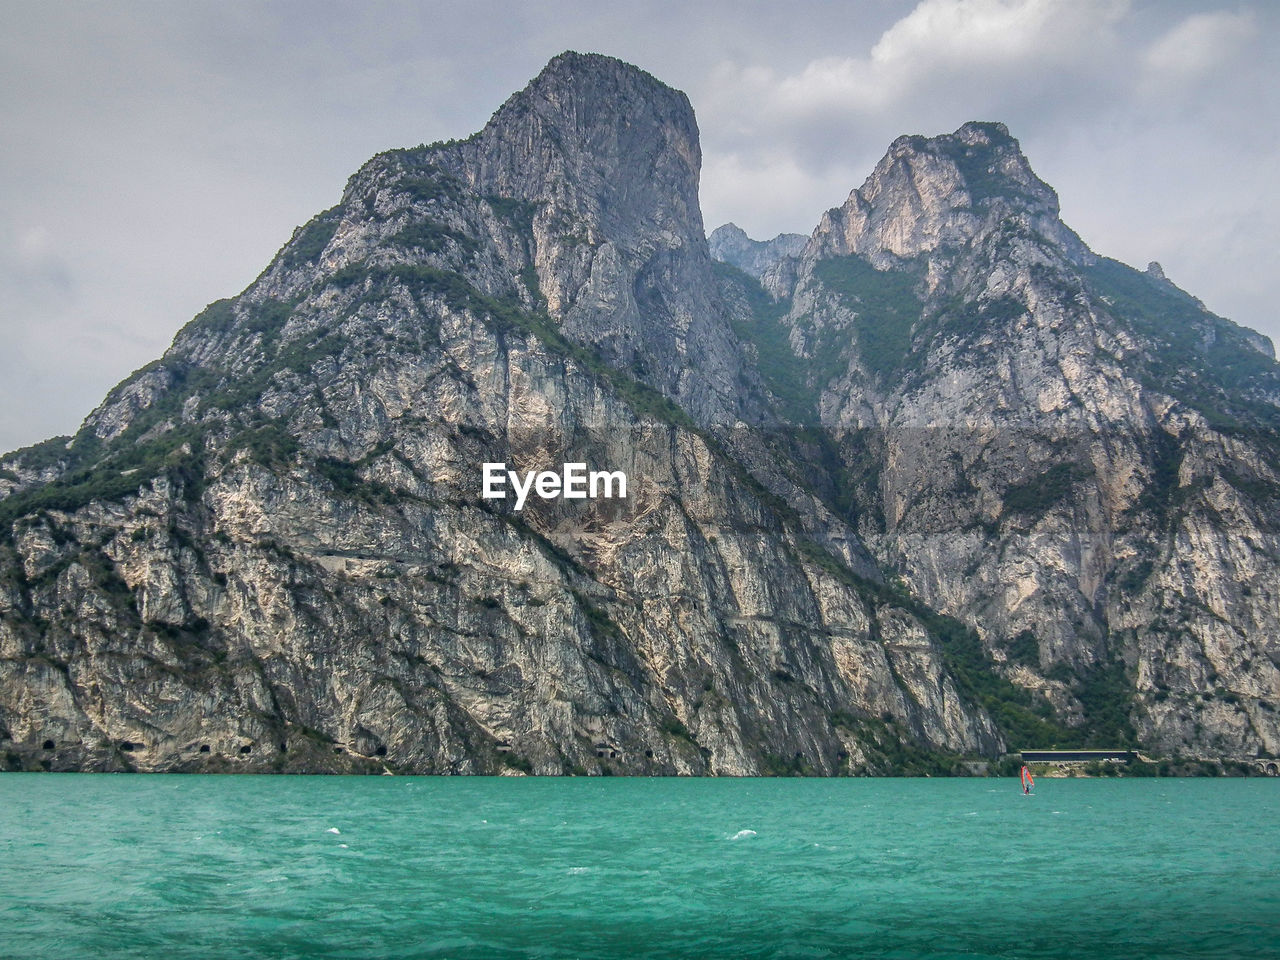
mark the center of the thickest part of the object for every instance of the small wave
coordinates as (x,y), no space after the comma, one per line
(743,834)
(343,846)
(579,870)
(335,830)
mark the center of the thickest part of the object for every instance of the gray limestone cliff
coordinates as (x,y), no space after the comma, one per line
(1076,458)
(730,244)
(941,483)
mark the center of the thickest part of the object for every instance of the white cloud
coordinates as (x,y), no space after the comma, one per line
(32,268)
(760,193)
(34,245)
(821,127)
(1199,45)
(944,50)
(965,33)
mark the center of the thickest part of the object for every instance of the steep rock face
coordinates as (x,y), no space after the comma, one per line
(1076,458)
(268,549)
(929,194)
(609,160)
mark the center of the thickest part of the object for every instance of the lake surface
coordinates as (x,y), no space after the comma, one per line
(383,867)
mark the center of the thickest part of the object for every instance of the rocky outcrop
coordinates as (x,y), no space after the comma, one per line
(947,483)
(730,244)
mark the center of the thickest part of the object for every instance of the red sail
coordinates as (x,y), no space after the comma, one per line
(1027,782)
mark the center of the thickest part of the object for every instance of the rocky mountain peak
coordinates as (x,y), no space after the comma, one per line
(728,234)
(942,192)
(587,182)
(730,244)
(607,160)
(599,139)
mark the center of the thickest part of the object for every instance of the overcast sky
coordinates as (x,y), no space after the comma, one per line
(153,156)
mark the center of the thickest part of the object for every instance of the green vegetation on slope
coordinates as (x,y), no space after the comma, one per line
(781,370)
(431,236)
(1037,494)
(424,182)
(887,309)
(891,750)
(1025,719)
(980,167)
(177,453)
(42,455)
(306,247)
(1201,359)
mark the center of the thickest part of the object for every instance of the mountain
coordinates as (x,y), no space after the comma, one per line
(935,484)
(1075,457)
(730,244)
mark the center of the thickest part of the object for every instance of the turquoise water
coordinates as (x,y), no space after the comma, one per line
(374,867)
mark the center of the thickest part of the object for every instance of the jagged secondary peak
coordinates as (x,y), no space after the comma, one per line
(730,244)
(931,192)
